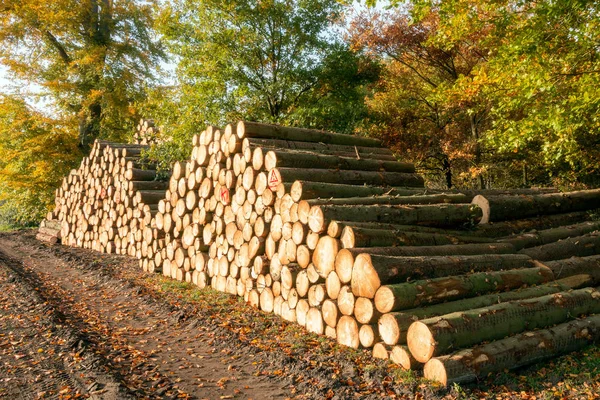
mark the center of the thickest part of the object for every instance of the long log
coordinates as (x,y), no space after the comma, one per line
(580,246)
(393,326)
(393,200)
(430,215)
(436,336)
(372,271)
(575,266)
(538,238)
(316,146)
(405,296)
(506,228)
(441,250)
(500,208)
(246,129)
(348,177)
(307,190)
(513,352)
(303,159)
(364,237)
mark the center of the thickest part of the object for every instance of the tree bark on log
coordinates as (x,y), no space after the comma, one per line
(303,159)
(404,296)
(513,352)
(429,215)
(392,200)
(580,246)
(500,208)
(470,249)
(575,266)
(364,237)
(309,190)
(316,147)
(546,236)
(348,177)
(371,271)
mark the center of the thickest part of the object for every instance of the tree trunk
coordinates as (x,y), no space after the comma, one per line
(575,266)
(429,215)
(404,296)
(546,236)
(500,208)
(441,250)
(307,190)
(348,177)
(370,272)
(393,200)
(580,246)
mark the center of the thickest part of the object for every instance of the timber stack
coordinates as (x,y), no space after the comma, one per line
(331,232)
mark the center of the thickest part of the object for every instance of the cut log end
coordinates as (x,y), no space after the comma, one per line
(435,370)
(365,279)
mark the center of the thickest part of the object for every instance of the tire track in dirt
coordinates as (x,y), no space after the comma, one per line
(145,345)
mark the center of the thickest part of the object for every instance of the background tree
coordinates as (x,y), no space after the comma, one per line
(271,61)
(93,58)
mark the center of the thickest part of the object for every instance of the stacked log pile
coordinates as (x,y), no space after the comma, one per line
(331,232)
(107,204)
(146,133)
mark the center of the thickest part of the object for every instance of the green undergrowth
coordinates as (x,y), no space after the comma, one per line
(575,375)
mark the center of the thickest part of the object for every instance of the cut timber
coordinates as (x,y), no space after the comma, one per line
(371,271)
(318,147)
(364,237)
(348,177)
(430,215)
(392,200)
(580,246)
(368,336)
(441,250)
(501,208)
(381,350)
(47,238)
(301,159)
(324,255)
(404,296)
(401,355)
(307,190)
(246,129)
(347,332)
(435,336)
(546,236)
(506,228)
(393,326)
(513,352)
(575,266)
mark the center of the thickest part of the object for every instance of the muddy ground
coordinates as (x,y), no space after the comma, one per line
(79,324)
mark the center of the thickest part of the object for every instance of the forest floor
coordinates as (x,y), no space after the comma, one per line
(79,324)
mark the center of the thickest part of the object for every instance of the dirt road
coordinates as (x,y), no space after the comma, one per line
(74,323)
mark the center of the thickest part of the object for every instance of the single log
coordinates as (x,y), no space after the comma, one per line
(324,255)
(47,238)
(136,174)
(331,313)
(345,301)
(513,352)
(304,159)
(364,237)
(393,326)
(538,238)
(381,351)
(500,208)
(404,296)
(368,336)
(347,332)
(365,311)
(506,228)
(392,200)
(246,129)
(401,355)
(150,196)
(441,250)
(333,285)
(431,215)
(314,321)
(363,152)
(575,266)
(580,246)
(348,177)
(148,185)
(435,336)
(308,189)
(371,271)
